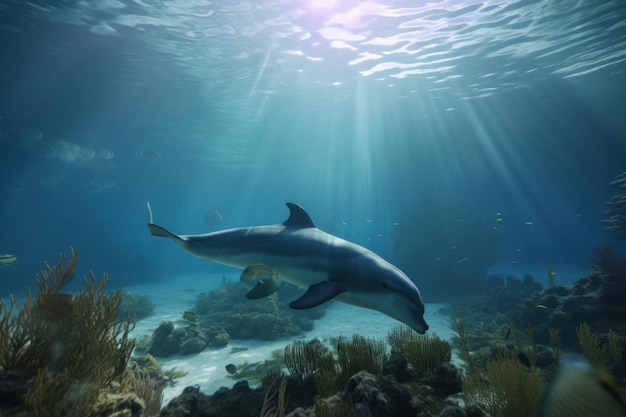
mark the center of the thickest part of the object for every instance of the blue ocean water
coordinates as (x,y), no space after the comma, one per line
(478,133)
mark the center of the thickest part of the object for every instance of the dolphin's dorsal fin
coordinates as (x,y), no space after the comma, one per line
(298,217)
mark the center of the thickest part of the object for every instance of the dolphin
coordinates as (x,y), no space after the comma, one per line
(297,252)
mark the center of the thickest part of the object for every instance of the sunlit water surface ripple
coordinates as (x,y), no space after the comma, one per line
(485,45)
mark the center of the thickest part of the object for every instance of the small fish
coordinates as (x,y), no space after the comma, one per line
(499,219)
(369,220)
(528,223)
(541,306)
(149,155)
(561,312)
(190,316)
(258,272)
(396,224)
(344,223)
(231,369)
(55,306)
(460,261)
(6,260)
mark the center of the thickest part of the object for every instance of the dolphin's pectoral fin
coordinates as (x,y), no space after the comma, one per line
(318,294)
(264,288)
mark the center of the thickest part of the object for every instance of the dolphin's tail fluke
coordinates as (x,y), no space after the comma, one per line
(157,230)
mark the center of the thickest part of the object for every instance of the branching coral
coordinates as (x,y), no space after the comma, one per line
(274,403)
(148,388)
(464,342)
(424,353)
(301,358)
(73,346)
(506,390)
(359,354)
(555,343)
(599,354)
(23,343)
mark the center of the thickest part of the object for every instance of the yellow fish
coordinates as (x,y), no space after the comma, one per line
(541,306)
(6,260)
(190,316)
(462,260)
(257,272)
(529,223)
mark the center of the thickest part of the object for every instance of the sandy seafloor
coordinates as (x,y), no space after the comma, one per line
(206,369)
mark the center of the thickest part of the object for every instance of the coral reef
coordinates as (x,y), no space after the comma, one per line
(167,340)
(225,313)
(596,299)
(364,394)
(499,293)
(241,401)
(135,305)
(70,348)
(241,318)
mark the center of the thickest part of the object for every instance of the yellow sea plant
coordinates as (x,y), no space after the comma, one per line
(73,346)
(423,352)
(506,389)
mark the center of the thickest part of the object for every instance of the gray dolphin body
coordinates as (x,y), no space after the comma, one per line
(302,254)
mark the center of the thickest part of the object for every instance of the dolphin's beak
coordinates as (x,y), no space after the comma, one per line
(415,316)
